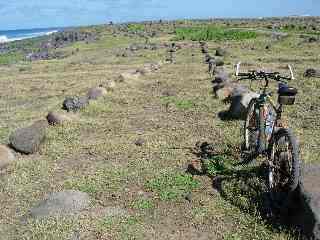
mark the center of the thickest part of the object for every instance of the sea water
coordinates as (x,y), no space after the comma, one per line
(14,35)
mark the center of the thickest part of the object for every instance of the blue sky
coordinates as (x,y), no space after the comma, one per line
(20,14)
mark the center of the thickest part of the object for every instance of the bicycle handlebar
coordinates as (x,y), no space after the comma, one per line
(254,75)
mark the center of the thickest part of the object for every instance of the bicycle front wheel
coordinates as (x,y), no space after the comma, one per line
(251,127)
(284,166)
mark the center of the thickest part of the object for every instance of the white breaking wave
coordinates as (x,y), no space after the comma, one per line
(3,39)
(52,32)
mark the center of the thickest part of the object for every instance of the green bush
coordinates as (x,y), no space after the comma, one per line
(212,33)
(216,165)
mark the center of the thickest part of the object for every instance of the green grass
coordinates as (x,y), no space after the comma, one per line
(48,229)
(128,227)
(95,108)
(182,104)
(62,140)
(10,58)
(172,186)
(101,181)
(135,27)
(212,33)
(143,204)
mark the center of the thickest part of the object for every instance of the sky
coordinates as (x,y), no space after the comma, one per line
(25,14)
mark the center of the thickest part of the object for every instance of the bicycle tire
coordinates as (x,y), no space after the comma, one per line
(251,128)
(284,166)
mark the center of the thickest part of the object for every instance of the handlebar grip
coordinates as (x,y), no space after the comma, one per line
(291,72)
(238,68)
(244,75)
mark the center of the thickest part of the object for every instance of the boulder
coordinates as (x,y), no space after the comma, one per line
(109,85)
(61,204)
(6,156)
(95,93)
(227,89)
(278,35)
(123,54)
(311,72)
(28,140)
(222,91)
(128,76)
(202,43)
(57,119)
(44,55)
(239,104)
(204,50)
(75,103)
(208,58)
(144,70)
(169,93)
(136,47)
(222,77)
(139,142)
(218,70)
(219,62)
(221,52)
(153,66)
(239,90)
(312,39)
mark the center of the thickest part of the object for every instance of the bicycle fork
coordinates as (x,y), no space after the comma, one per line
(262,139)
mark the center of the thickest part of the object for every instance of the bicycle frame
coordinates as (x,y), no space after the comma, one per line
(261,115)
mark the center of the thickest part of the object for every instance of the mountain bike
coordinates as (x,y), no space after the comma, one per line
(266,135)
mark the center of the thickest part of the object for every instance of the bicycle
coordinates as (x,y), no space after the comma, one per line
(264,134)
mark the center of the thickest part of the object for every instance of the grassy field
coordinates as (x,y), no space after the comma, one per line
(212,33)
(97,154)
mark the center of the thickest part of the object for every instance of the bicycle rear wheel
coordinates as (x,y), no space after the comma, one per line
(284,166)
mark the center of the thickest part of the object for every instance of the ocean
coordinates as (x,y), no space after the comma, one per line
(14,35)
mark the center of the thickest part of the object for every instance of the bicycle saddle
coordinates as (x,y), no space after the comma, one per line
(286,90)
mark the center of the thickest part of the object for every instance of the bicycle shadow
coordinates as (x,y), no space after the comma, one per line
(241,182)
